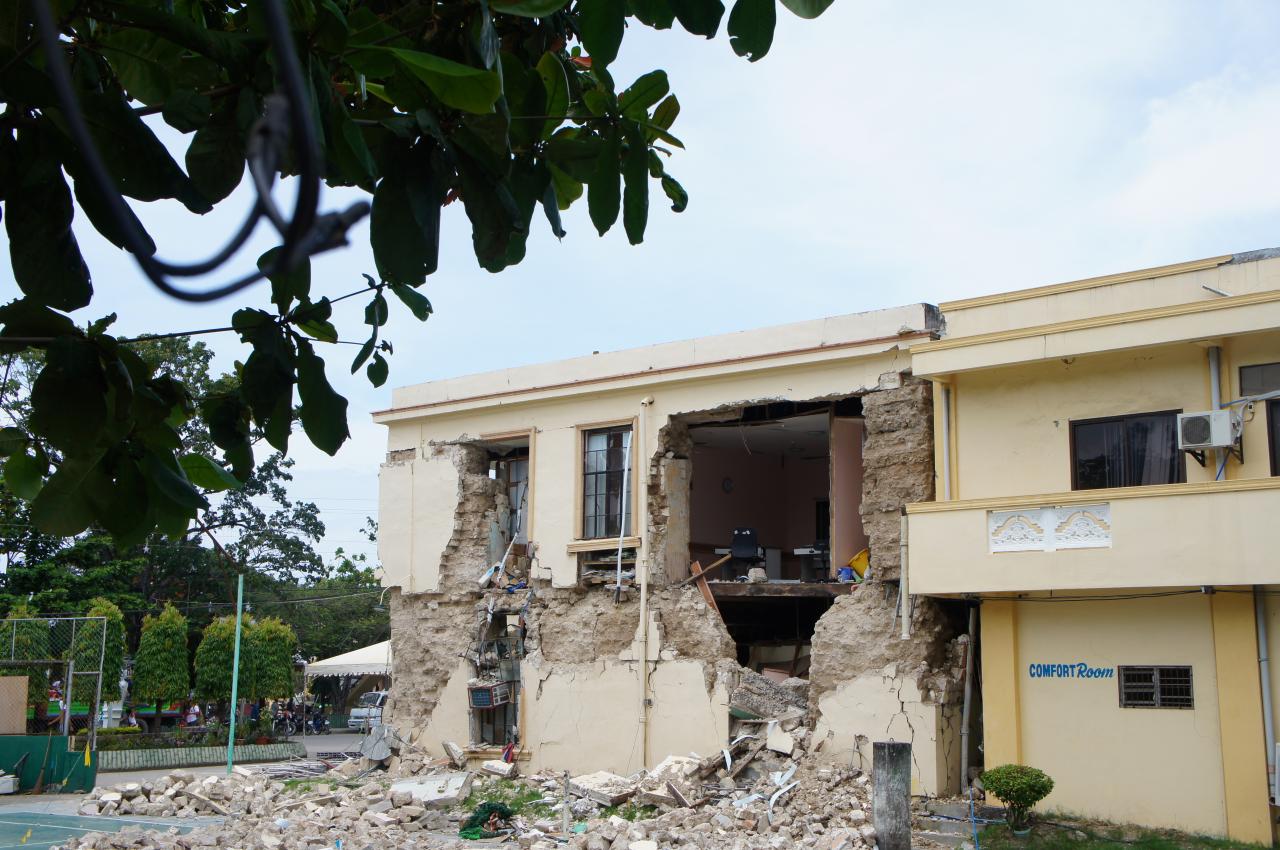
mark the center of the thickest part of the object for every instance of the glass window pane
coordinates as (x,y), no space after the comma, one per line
(1099,454)
(1153,455)
(1256,380)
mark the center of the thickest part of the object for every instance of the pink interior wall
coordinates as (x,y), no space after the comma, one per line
(753,503)
(773,494)
(847,535)
(807,482)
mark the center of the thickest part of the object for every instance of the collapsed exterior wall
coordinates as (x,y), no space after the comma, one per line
(581,674)
(897,462)
(867,683)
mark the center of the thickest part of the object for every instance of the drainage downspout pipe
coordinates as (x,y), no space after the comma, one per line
(904,588)
(968,697)
(1264,673)
(946,443)
(1215,401)
(642,575)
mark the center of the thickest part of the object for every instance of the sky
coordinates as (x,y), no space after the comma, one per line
(883,154)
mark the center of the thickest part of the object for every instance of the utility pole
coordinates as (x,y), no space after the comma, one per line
(235,675)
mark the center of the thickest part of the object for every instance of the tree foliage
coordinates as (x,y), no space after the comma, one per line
(272,645)
(509,107)
(160,671)
(28,635)
(266,659)
(99,645)
(1020,787)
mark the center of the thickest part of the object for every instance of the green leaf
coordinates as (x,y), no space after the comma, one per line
(414,300)
(204,472)
(215,157)
(332,29)
(665,115)
(377,370)
(635,172)
(323,411)
(679,197)
(551,208)
(24,475)
(700,17)
(43,251)
(644,92)
(528,8)
(654,13)
(556,84)
(751,26)
(364,352)
(604,190)
(170,479)
(659,133)
(139,162)
(69,397)
(807,8)
(375,312)
(62,507)
(567,189)
(600,23)
(405,223)
(186,110)
(460,86)
(286,285)
(12,440)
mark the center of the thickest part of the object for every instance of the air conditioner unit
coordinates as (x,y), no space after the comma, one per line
(1209,429)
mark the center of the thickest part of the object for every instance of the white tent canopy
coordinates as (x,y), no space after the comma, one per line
(372,660)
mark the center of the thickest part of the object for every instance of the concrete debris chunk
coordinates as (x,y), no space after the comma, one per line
(779,741)
(603,787)
(498,767)
(456,756)
(440,791)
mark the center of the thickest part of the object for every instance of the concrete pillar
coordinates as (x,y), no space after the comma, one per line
(1001,713)
(891,794)
(1244,750)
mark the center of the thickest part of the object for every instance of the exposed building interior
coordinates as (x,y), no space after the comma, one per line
(777,487)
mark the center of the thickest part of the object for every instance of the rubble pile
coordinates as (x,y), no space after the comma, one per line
(764,791)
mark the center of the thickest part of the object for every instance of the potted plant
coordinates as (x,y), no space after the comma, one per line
(1020,787)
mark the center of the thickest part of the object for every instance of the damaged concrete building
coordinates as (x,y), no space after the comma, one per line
(544,530)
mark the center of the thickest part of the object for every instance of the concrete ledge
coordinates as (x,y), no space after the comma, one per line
(109,760)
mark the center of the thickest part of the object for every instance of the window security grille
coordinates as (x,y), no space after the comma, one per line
(1156,687)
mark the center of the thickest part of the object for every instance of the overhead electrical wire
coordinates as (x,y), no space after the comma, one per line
(286,117)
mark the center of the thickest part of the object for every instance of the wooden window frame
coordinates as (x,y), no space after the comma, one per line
(579,543)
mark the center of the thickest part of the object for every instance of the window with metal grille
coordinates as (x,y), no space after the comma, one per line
(1156,687)
(604,477)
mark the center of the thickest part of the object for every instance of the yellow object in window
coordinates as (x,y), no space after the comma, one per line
(860,562)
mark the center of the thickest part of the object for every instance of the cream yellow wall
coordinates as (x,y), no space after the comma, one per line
(431,493)
(1013,424)
(1126,292)
(853,716)
(1161,767)
(1251,350)
(1160,537)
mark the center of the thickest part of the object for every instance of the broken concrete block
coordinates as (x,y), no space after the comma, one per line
(498,767)
(780,741)
(603,787)
(441,791)
(456,756)
(643,844)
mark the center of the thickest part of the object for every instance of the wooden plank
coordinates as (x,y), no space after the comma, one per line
(765,589)
(714,566)
(696,569)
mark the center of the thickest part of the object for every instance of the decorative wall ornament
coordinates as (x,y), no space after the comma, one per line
(1050,529)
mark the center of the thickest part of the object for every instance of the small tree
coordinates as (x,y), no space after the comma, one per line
(29,637)
(160,667)
(215,657)
(1020,787)
(89,650)
(272,644)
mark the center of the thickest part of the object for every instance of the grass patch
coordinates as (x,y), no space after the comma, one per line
(629,811)
(520,798)
(1061,832)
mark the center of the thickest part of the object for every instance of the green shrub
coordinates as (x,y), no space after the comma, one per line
(1020,787)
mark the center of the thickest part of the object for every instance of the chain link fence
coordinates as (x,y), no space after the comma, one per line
(51,675)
